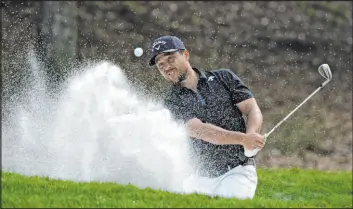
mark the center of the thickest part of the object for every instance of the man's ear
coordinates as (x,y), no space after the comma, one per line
(187,55)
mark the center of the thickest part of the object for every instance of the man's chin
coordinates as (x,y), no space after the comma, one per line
(182,77)
(175,82)
(178,80)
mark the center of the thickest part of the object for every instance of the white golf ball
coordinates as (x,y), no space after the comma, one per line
(138,52)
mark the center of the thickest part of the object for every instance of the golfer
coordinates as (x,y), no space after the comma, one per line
(212,104)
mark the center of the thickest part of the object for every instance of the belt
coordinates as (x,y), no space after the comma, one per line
(249,161)
(224,169)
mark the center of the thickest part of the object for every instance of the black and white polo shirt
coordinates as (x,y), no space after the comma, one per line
(214,102)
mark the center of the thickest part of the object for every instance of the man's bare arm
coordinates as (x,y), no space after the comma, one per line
(216,135)
(213,134)
(254,116)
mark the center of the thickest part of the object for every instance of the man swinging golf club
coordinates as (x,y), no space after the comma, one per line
(211,104)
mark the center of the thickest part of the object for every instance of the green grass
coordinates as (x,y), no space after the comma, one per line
(277,188)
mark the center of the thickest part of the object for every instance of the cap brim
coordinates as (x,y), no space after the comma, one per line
(152,60)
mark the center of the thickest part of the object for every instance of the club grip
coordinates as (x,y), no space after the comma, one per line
(253,152)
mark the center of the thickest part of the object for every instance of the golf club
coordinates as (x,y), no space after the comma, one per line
(325,72)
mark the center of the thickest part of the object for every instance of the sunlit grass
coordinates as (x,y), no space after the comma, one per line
(276,188)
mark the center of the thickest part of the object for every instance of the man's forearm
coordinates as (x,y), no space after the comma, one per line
(254,121)
(214,134)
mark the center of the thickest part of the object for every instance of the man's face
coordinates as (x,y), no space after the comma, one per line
(173,65)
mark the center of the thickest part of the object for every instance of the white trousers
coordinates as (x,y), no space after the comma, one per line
(239,182)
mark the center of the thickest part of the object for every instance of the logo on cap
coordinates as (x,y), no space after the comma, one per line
(158,42)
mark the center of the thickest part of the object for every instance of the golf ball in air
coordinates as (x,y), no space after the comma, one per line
(138,52)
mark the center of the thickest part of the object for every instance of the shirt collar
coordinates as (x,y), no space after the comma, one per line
(200,74)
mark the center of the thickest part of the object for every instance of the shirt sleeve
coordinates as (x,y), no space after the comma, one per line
(179,112)
(237,88)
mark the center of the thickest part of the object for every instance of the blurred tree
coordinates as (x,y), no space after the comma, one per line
(57,37)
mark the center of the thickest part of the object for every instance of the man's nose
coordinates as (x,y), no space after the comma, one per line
(167,67)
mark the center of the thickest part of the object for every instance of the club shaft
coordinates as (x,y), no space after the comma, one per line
(284,119)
